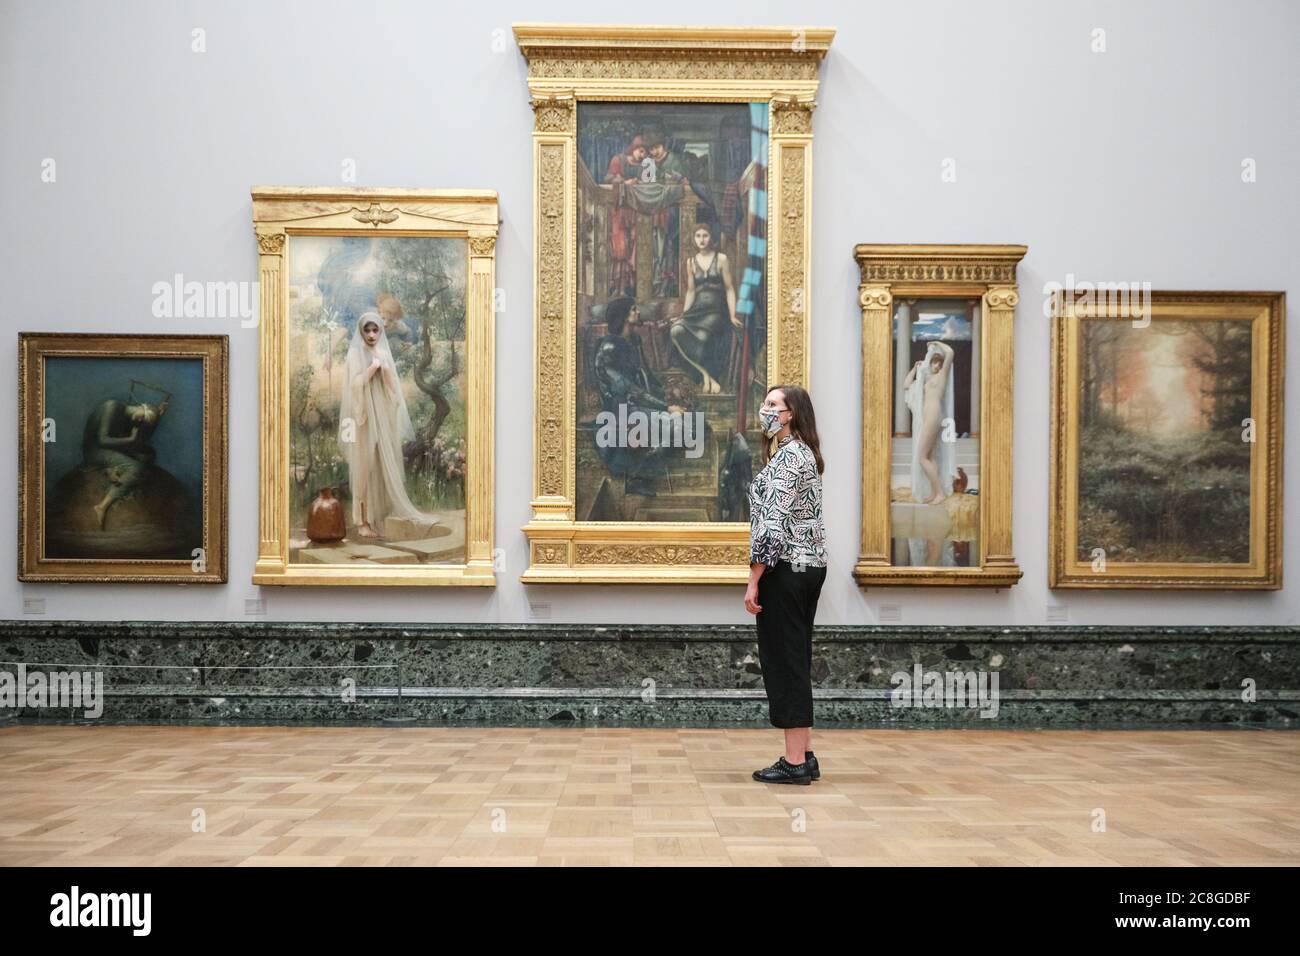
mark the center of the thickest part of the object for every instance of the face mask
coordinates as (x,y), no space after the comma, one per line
(771,420)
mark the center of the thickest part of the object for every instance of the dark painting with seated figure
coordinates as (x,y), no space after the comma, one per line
(124,471)
(671,305)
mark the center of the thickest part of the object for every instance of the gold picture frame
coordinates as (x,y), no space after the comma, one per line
(1101,323)
(163,499)
(282,214)
(570,64)
(985,275)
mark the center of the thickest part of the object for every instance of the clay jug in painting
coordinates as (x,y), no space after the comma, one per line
(325,517)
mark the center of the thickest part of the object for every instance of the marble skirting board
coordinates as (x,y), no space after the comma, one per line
(666,675)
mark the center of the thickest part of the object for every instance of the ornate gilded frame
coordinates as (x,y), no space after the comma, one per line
(280,212)
(568,64)
(33,349)
(1266,312)
(986,272)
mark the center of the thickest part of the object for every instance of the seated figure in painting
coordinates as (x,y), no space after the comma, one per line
(118,502)
(117,440)
(929,392)
(373,424)
(622,378)
(702,335)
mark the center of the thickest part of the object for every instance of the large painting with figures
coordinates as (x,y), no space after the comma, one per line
(672,309)
(1167,438)
(377,432)
(673,174)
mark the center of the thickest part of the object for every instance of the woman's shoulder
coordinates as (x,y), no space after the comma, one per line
(793,451)
(797,452)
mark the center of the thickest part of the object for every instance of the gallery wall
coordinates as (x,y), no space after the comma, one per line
(1122,164)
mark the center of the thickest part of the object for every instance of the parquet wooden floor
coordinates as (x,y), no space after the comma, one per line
(330,796)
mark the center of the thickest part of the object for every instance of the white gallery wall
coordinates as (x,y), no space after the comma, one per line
(1117,165)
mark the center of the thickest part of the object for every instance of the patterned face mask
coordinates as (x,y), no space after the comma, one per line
(771,420)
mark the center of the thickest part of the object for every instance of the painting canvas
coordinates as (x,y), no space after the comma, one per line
(122,457)
(377,399)
(1164,441)
(124,479)
(935,475)
(1167,429)
(671,309)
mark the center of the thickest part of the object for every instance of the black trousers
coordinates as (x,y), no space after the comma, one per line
(785,627)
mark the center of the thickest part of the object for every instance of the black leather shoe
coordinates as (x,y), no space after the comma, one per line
(810,759)
(784,772)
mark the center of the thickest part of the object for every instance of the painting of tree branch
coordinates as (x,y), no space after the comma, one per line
(377,399)
(1165,441)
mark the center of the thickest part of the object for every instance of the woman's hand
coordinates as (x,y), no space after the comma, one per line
(756,571)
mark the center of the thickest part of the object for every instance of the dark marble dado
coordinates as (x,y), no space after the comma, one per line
(668,675)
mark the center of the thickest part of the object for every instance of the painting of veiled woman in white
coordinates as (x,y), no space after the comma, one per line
(935,480)
(374,426)
(377,399)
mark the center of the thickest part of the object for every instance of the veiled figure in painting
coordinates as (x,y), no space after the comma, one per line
(672,218)
(374,424)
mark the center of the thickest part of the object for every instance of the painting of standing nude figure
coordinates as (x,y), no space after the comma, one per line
(935,478)
(671,305)
(124,475)
(377,418)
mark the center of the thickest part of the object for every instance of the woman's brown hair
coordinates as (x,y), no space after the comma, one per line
(803,422)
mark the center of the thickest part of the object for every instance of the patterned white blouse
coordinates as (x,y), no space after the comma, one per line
(785,509)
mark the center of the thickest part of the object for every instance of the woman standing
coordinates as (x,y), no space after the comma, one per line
(786,571)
